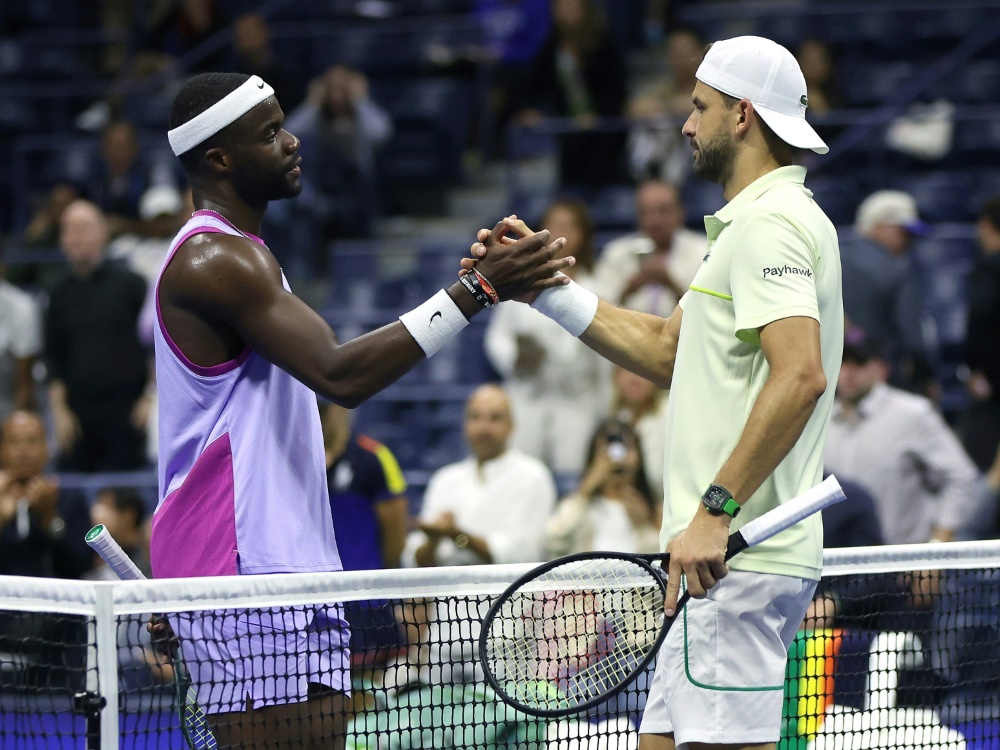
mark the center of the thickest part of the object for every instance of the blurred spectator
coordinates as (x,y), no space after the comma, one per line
(178,27)
(854,600)
(121,179)
(513,31)
(490,507)
(41,526)
(553,414)
(43,229)
(580,74)
(643,406)
(900,448)
(671,95)
(612,509)
(40,237)
(657,148)
(367,495)
(122,511)
(342,130)
(165,210)
(254,54)
(990,501)
(97,365)
(371,518)
(816,60)
(980,424)
(20,346)
(883,293)
(854,521)
(651,269)
(42,529)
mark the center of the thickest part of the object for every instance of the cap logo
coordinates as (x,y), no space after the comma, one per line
(804,100)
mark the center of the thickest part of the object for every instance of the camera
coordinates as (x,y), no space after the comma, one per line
(616,447)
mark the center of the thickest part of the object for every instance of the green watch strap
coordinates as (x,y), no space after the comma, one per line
(731,507)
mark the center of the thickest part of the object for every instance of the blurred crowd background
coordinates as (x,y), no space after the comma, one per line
(423,120)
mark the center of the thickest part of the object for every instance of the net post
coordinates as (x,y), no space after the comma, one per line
(107,664)
(90,704)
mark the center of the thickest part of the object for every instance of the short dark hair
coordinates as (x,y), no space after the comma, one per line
(127,499)
(197,95)
(991,211)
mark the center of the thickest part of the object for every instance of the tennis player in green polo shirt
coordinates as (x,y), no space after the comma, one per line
(751,355)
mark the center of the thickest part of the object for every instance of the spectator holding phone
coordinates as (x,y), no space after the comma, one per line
(613,508)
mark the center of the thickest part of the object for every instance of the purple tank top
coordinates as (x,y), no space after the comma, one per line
(242,470)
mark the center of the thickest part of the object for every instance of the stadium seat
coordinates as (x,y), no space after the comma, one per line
(977,141)
(838,196)
(613,207)
(941,196)
(700,200)
(867,82)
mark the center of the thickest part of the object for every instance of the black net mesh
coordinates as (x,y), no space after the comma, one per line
(43,678)
(884,660)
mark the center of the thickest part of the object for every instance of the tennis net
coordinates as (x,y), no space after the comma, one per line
(901,650)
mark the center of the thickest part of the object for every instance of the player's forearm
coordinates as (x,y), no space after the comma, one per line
(642,343)
(776,421)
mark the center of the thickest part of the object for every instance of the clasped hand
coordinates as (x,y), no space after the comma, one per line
(521,268)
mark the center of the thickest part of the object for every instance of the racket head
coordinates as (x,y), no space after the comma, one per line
(571,633)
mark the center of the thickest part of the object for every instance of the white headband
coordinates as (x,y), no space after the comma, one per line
(224,112)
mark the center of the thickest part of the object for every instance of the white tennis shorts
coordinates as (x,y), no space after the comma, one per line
(270,656)
(721,670)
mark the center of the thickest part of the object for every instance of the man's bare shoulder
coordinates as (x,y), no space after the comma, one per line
(220,266)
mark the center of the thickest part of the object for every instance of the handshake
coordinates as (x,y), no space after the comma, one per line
(519,267)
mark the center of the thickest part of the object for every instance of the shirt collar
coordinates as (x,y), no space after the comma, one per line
(791,175)
(867,406)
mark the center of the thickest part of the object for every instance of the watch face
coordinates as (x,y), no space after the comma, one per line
(715,498)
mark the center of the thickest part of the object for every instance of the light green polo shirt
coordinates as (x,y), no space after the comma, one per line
(772,254)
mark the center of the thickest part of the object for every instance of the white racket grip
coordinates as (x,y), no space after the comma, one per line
(104,544)
(788,514)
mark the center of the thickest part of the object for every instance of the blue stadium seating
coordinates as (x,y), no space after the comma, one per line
(867,82)
(613,207)
(941,196)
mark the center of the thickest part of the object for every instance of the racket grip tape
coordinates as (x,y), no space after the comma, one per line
(111,552)
(787,514)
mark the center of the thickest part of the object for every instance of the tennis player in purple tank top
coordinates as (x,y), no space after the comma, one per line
(241,467)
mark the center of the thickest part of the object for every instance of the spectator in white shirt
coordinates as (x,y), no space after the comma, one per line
(613,508)
(20,346)
(553,414)
(490,507)
(643,405)
(651,269)
(897,445)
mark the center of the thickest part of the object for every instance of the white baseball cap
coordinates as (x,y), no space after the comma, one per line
(159,200)
(755,68)
(892,207)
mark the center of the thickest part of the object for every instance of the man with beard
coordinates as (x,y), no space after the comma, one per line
(751,356)
(242,481)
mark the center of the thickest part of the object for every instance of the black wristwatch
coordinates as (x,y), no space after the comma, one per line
(718,501)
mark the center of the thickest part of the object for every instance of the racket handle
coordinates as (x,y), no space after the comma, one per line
(788,514)
(100,539)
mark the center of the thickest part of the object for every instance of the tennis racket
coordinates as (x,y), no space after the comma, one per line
(572,633)
(194,725)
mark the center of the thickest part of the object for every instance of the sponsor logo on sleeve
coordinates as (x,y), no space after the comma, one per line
(786,270)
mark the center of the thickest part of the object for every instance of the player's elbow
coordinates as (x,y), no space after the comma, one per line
(810,385)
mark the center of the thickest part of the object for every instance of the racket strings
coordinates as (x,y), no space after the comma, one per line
(574,632)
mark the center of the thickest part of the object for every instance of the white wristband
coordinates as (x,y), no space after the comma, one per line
(434,322)
(571,306)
